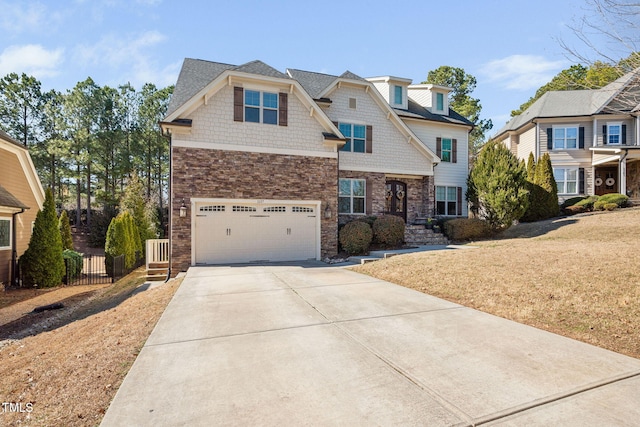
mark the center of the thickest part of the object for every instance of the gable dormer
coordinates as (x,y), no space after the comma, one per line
(432,97)
(393,89)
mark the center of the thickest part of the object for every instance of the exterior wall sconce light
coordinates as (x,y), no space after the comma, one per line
(327,211)
(183,210)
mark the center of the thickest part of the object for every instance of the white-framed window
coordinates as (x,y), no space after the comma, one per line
(260,107)
(351,198)
(446,200)
(356,137)
(614,133)
(447,149)
(566,180)
(565,137)
(439,101)
(5,234)
(397,95)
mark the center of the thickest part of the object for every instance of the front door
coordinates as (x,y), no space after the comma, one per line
(396,199)
(606,180)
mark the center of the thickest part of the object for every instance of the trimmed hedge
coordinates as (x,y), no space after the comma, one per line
(620,200)
(572,201)
(588,202)
(73,263)
(355,237)
(467,229)
(388,230)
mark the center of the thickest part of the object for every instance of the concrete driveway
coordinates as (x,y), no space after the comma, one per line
(309,344)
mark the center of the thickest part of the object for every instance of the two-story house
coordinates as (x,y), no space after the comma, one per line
(265,164)
(592,137)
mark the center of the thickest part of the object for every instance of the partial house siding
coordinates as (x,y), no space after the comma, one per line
(446,173)
(392,153)
(5,261)
(203,173)
(213,123)
(526,144)
(14,180)
(603,121)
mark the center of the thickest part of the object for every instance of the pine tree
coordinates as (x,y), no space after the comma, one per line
(498,186)
(65,231)
(42,263)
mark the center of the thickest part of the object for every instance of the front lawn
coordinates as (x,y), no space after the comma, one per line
(577,276)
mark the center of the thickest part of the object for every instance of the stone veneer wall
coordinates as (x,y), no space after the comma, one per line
(633,180)
(420,195)
(203,173)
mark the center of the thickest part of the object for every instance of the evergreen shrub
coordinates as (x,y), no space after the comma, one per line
(355,237)
(42,262)
(73,262)
(620,200)
(460,229)
(388,230)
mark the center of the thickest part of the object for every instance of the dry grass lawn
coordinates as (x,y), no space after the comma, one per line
(69,364)
(578,277)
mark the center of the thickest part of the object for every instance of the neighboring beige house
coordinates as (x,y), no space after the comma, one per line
(21,197)
(266,164)
(592,137)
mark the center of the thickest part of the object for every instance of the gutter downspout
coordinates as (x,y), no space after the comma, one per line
(170,204)
(14,252)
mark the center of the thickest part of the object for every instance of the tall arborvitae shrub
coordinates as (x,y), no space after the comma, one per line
(133,245)
(549,206)
(142,211)
(532,212)
(42,262)
(498,186)
(65,231)
(115,244)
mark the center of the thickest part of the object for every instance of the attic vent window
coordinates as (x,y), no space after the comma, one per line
(352,103)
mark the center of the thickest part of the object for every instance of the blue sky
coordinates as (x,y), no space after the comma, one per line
(510,46)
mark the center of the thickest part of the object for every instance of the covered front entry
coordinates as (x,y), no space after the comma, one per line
(606,180)
(396,199)
(236,231)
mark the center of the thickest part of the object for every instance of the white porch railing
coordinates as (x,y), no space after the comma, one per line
(157,251)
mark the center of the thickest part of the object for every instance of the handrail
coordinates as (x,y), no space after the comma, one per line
(157,251)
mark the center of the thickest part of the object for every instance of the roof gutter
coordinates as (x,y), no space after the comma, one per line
(14,251)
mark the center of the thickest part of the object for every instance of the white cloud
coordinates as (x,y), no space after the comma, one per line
(131,58)
(20,17)
(521,72)
(31,59)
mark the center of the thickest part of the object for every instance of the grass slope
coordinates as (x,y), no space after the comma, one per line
(578,277)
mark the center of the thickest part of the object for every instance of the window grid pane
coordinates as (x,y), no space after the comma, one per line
(270,100)
(251,97)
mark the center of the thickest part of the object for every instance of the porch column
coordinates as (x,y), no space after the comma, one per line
(622,179)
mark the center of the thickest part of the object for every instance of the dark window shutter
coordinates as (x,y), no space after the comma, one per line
(549,139)
(369,140)
(459,201)
(439,147)
(368,194)
(283,106)
(581,137)
(624,134)
(238,104)
(604,134)
(581,181)
(454,151)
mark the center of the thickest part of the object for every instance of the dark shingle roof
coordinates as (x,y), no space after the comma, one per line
(417,111)
(9,200)
(570,103)
(316,83)
(8,138)
(196,74)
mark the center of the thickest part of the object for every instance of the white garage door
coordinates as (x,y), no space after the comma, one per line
(239,231)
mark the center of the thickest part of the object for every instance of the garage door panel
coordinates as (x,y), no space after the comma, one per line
(245,232)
